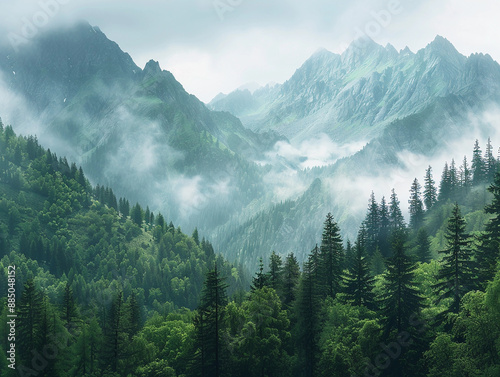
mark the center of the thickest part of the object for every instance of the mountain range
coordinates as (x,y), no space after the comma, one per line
(245,168)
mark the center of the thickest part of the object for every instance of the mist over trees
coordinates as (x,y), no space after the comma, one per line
(118,290)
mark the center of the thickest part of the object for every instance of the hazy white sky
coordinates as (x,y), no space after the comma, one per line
(214,46)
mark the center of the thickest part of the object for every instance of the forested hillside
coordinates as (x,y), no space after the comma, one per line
(79,252)
(107,288)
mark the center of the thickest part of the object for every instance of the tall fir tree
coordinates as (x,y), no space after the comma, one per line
(385,228)
(275,278)
(115,338)
(430,191)
(69,312)
(478,171)
(291,275)
(457,272)
(331,257)
(132,316)
(489,163)
(210,326)
(465,177)
(29,322)
(416,207)
(358,283)
(372,224)
(488,253)
(259,281)
(401,296)
(454,179)
(308,313)
(401,303)
(445,184)
(396,218)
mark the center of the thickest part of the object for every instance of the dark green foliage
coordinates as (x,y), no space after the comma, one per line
(445,187)
(195,236)
(260,347)
(275,272)
(358,283)
(115,339)
(124,207)
(430,191)
(331,257)
(136,214)
(260,279)
(308,314)
(490,165)
(372,225)
(416,206)
(401,305)
(121,292)
(457,272)
(488,252)
(291,275)
(30,318)
(210,349)
(132,318)
(478,168)
(69,307)
(396,218)
(384,229)
(401,298)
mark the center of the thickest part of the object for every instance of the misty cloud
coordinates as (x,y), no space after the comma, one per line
(316,152)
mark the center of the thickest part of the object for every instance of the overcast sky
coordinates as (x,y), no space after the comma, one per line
(214,46)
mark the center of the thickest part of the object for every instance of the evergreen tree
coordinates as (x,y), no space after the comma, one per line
(430,191)
(331,257)
(309,326)
(416,206)
(132,316)
(372,224)
(291,275)
(196,236)
(488,253)
(136,214)
(454,179)
(457,273)
(124,207)
(465,176)
(489,163)
(259,281)
(385,228)
(478,175)
(275,271)
(115,338)
(210,325)
(358,284)
(69,307)
(445,185)
(349,255)
(401,298)
(29,322)
(396,218)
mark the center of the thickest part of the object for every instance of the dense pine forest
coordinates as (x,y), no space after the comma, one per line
(105,287)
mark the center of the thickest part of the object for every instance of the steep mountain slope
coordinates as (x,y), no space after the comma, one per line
(354,95)
(140,132)
(392,160)
(138,129)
